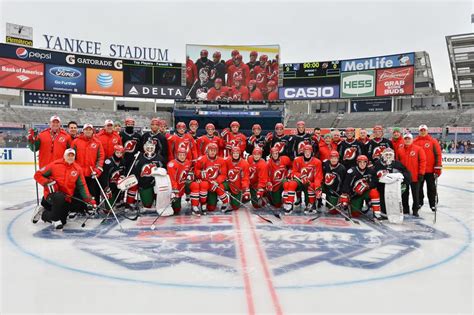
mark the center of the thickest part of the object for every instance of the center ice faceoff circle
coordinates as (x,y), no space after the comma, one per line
(204,253)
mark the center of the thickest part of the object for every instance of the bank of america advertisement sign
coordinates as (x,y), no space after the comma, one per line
(358,84)
(381,62)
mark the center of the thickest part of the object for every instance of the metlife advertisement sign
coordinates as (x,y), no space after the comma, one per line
(381,62)
(358,84)
(309,92)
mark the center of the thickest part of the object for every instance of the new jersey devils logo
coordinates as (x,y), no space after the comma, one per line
(350,154)
(211,172)
(130,146)
(378,151)
(280,146)
(427,145)
(301,146)
(115,177)
(114,140)
(233,175)
(307,172)
(146,169)
(183,145)
(182,176)
(412,153)
(361,186)
(73,173)
(93,145)
(329,179)
(278,175)
(252,171)
(260,78)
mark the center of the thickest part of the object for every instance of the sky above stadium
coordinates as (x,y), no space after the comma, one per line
(305,30)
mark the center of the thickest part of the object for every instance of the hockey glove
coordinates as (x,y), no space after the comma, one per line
(344,200)
(260,193)
(269,186)
(437,171)
(318,193)
(214,185)
(246,196)
(31,135)
(96,172)
(52,186)
(174,195)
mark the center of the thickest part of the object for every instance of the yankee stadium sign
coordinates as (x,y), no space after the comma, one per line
(79,46)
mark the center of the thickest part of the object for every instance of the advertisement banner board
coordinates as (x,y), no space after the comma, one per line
(358,84)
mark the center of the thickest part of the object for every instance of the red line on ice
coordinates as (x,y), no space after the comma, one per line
(243,259)
(266,269)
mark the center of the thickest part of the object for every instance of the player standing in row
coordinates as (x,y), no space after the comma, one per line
(157,137)
(233,138)
(350,149)
(364,140)
(299,140)
(51,142)
(238,69)
(109,138)
(72,129)
(218,68)
(210,137)
(193,128)
(130,141)
(278,140)
(378,144)
(256,140)
(181,139)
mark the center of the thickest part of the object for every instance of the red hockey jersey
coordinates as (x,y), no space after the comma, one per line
(203,141)
(178,173)
(312,170)
(237,175)
(210,170)
(258,173)
(184,141)
(278,171)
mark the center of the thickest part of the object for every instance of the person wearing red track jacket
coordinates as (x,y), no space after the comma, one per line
(397,140)
(325,147)
(414,159)
(61,179)
(51,142)
(433,165)
(109,138)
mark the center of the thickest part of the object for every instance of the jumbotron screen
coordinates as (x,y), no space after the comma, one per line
(311,73)
(232,73)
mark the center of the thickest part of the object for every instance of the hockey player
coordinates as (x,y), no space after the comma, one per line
(231,61)
(397,139)
(334,175)
(377,144)
(272,91)
(433,165)
(210,137)
(260,74)
(218,67)
(279,169)
(191,72)
(256,140)
(218,92)
(143,171)
(299,140)
(90,156)
(359,186)
(349,149)
(130,141)
(239,92)
(193,128)
(364,141)
(234,138)
(204,63)
(61,179)
(258,176)
(414,159)
(237,183)
(253,61)
(210,173)
(387,164)
(158,139)
(114,170)
(182,140)
(307,175)
(255,93)
(201,87)
(109,138)
(278,140)
(179,171)
(325,147)
(316,139)
(238,69)
(51,142)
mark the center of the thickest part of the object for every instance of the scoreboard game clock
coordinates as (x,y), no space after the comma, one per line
(311,73)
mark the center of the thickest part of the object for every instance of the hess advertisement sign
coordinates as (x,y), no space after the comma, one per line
(104,82)
(21,74)
(358,84)
(396,81)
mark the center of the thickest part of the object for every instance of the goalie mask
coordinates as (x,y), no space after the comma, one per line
(388,155)
(149,148)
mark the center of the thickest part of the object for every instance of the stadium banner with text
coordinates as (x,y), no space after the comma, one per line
(152,73)
(379,62)
(246,73)
(395,81)
(46,99)
(21,74)
(358,84)
(309,92)
(65,79)
(104,82)
(154,91)
(372,105)
(318,73)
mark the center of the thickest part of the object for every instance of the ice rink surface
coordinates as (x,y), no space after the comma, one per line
(237,263)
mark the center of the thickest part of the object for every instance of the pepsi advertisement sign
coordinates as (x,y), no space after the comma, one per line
(309,92)
(65,79)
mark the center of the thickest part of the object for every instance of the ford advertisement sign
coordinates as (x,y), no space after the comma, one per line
(381,62)
(309,92)
(65,79)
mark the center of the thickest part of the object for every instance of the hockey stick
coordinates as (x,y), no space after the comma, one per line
(275,211)
(106,200)
(118,195)
(374,220)
(246,207)
(36,183)
(436,200)
(346,217)
(190,89)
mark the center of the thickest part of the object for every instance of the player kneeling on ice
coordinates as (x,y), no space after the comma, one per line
(145,173)
(237,183)
(392,179)
(210,172)
(180,175)
(359,186)
(279,168)
(258,176)
(61,179)
(114,172)
(334,175)
(307,174)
